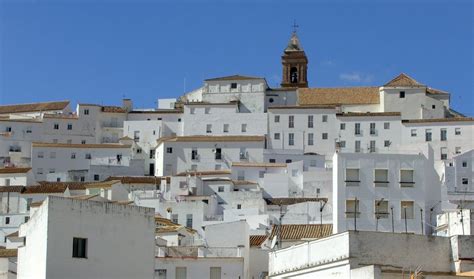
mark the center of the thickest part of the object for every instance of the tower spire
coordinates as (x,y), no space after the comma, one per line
(294,62)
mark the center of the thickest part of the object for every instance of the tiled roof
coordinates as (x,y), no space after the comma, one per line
(62,116)
(371,114)
(102,184)
(233,77)
(298,232)
(257,240)
(73,145)
(204,173)
(258,165)
(338,96)
(12,189)
(8,253)
(13,234)
(433,120)
(45,189)
(34,107)
(288,201)
(155,180)
(164,225)
(113,109)
(243,182)
(14,170)
(212,139)
(71,185)
(304,107)
(403,80)
(430,90)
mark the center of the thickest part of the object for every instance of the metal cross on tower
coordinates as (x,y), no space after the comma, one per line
(295,26)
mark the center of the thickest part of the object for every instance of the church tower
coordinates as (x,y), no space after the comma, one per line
(295,64)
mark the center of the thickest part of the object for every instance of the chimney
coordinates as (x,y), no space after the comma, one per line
(127,104)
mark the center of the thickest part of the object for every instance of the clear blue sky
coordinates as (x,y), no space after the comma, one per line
(99,51)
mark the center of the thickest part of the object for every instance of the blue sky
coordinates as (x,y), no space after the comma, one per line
(100,51)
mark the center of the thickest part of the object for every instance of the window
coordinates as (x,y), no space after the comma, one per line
(218,155)
(464,164)
(277,119)
(226,128)
(83,141)
(386,125)
(457,131)
(181,272)
(207,110)
(402,94)
(381,209)
(152,154)
(29,201)
(407,209)
(244,128)
(261,174)
(271,160)
(372,146)
(428,136)
(194,154)
(276,136)
(244,155)
(28,130)
(139,151)
(443,134)
(220,189)
(310,139)
(240,175)
(215,273)
(271,100)
(312,163)
(8,129)
(357,129)
(239,206)
(174,218)
(160,273)
(79,247)
(357,146)
(291,121)
(464,181)
(179,119)
(233,85)
(169,150)
(433,106)
(217,167)
(387,143)
(7,220)
(192,110)
(372,128)
(352,177)
(40,154)
(209,128)
(310,121)
(52,170)
(96,177)
(73,155)
(294,172)
(291,139)
(324,136)
(56,126)
(288,161)
(380,177)
(136,136)
(352,208)
(325,118)
(189,220)
(413,132)
(39,171)
(342,126)
(52,155)
(27,218)
(88,156)
(457,150)
(69,126)
(444,153)
(86,112)
(342,144)
(407,178)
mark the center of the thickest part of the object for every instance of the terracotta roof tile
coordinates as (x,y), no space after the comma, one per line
(70,185)
(204,173)
(233,77)
(155,180)
(403,80)
(371,114)
(34,107)
(45,189)
(102,184)
(62,116)
(338,96)
(298,232)
(113,109)
(289,201)
(258,165)
(12,189)
(72,145)
(257,240)
(430,90)
(433,120)
(14,170)
(8,253)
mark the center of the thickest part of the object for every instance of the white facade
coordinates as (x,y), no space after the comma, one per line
(48,251)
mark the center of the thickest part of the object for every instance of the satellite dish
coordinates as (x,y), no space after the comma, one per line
(274,241)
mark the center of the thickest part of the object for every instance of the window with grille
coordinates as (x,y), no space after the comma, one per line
(79,247)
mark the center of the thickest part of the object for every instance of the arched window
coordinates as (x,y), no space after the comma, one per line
(294,75)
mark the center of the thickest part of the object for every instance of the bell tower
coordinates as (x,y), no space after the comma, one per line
(295,63)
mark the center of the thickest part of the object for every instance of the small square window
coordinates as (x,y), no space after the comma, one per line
(83,142)
(464,164)
(79,247)
(69,126)
(207,110)
(413,132)
(239,206)
(343,126)
(387,143)
(220,189)
(96,177)
(325,136)
(433,106)
(457,131)
(271,160)
(56,126)
(86,112)
(233,85)
(277,118)
(464,180)
(386,125)
(169,150)
(276,136)
(402,94)
(7,220)
(325,118)
(261,174)
(288,161)
(244,128)
(226,128)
